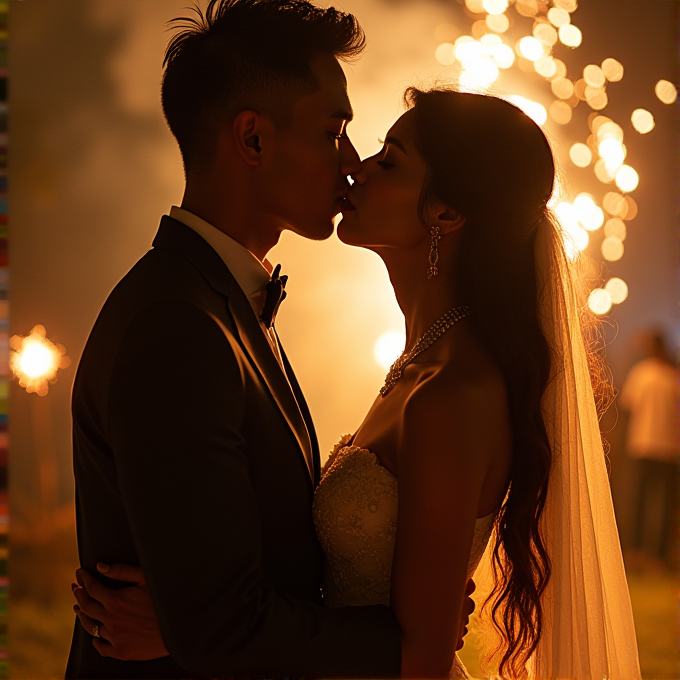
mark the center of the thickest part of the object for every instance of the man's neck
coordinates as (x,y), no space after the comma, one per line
(236,218)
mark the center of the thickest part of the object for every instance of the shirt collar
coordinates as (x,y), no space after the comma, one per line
(250,273)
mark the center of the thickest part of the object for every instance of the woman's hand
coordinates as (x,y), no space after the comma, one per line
(123,622)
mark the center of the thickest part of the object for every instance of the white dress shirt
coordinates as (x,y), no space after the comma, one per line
(250,273)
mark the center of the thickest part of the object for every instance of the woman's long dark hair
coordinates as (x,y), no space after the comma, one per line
(493,164)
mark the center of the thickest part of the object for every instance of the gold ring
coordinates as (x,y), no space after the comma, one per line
(95,631)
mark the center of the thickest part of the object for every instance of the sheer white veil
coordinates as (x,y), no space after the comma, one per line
(588,631)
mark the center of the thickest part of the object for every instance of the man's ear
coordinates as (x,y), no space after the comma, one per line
(246,131)
(445,217)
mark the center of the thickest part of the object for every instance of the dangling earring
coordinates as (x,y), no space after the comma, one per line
(434,253)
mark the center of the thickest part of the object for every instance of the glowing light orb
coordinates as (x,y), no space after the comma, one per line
(617,289)
(475,6)
(503,55)
(626,178)
(534,110)
(560,112)
(388,347)
(568,5)
(580,155)
(558,17)
(546,67)
(594,76)
(632,209)
(589,214)
(612,249)
(613,153)
(596,98)
(612,69)
(530,48)
(35,360)
(643,121)
(615,227)
(562,88)
(495,6)
(445,54)
(615,204)
(570,35)
(575,240)
(602,173)
(600,301)
(666,91)
(527,8)
(608,129)
(498,23)
(560,69)
(545,33)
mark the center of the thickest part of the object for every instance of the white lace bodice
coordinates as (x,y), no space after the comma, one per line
(355,513)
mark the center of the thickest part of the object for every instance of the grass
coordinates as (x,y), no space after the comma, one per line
(41,619)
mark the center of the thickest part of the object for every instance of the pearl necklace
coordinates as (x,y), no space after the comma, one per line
(432,334)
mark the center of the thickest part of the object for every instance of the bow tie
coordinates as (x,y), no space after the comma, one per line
(275,295)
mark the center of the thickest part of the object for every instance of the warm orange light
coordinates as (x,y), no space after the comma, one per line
(643,121)
(388,347)
(612,69)
(666,91)
(600,301)
(35,360)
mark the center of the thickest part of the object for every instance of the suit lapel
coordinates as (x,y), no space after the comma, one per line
(178,237)
(257,346)
(304,409)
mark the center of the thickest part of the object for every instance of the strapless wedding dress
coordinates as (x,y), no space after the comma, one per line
(355,513)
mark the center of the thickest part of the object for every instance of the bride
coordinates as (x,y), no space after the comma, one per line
(482,452)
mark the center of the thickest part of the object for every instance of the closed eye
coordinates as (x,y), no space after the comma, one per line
(385,165)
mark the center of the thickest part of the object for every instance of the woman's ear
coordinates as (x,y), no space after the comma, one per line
(443,216)
(246,132)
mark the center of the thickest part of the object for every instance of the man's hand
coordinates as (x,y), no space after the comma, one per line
(123,621)
(468,608)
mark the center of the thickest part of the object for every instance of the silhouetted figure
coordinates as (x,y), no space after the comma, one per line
(650,394)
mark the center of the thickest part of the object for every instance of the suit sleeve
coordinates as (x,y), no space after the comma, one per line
(175,412)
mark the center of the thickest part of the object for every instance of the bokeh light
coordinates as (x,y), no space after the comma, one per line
(615,204)
(570,35)
(617,289)
(589,214)
(615,227)
(530,48)
(666,91)
(445,54)
(594,76)
(533,109)
(499,23)
(560,112)
(600,301)
(36,360)
(580,155)
(612,249)
(626,178)
(612,69)
(495,6)
(388,347)
(558,17)
(643,121)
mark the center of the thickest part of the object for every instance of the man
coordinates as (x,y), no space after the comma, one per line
(194,451)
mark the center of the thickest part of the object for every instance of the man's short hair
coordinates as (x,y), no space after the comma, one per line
(246,54)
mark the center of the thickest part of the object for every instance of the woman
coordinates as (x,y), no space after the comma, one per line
(486,429)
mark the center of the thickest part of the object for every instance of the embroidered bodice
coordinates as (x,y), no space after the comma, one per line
(355,513)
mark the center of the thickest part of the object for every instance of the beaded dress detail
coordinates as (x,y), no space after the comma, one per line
(355,514)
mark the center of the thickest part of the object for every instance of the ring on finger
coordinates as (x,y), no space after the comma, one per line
(95,631)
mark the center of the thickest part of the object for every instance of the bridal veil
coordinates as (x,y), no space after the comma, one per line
(588,631)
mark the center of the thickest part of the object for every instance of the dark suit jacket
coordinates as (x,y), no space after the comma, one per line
(189,455)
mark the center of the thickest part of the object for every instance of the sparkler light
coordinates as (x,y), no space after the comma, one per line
(35,360)
(479,58)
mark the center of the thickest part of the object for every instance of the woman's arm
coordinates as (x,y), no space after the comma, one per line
(451,438)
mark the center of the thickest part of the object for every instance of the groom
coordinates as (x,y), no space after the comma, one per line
(194,452)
